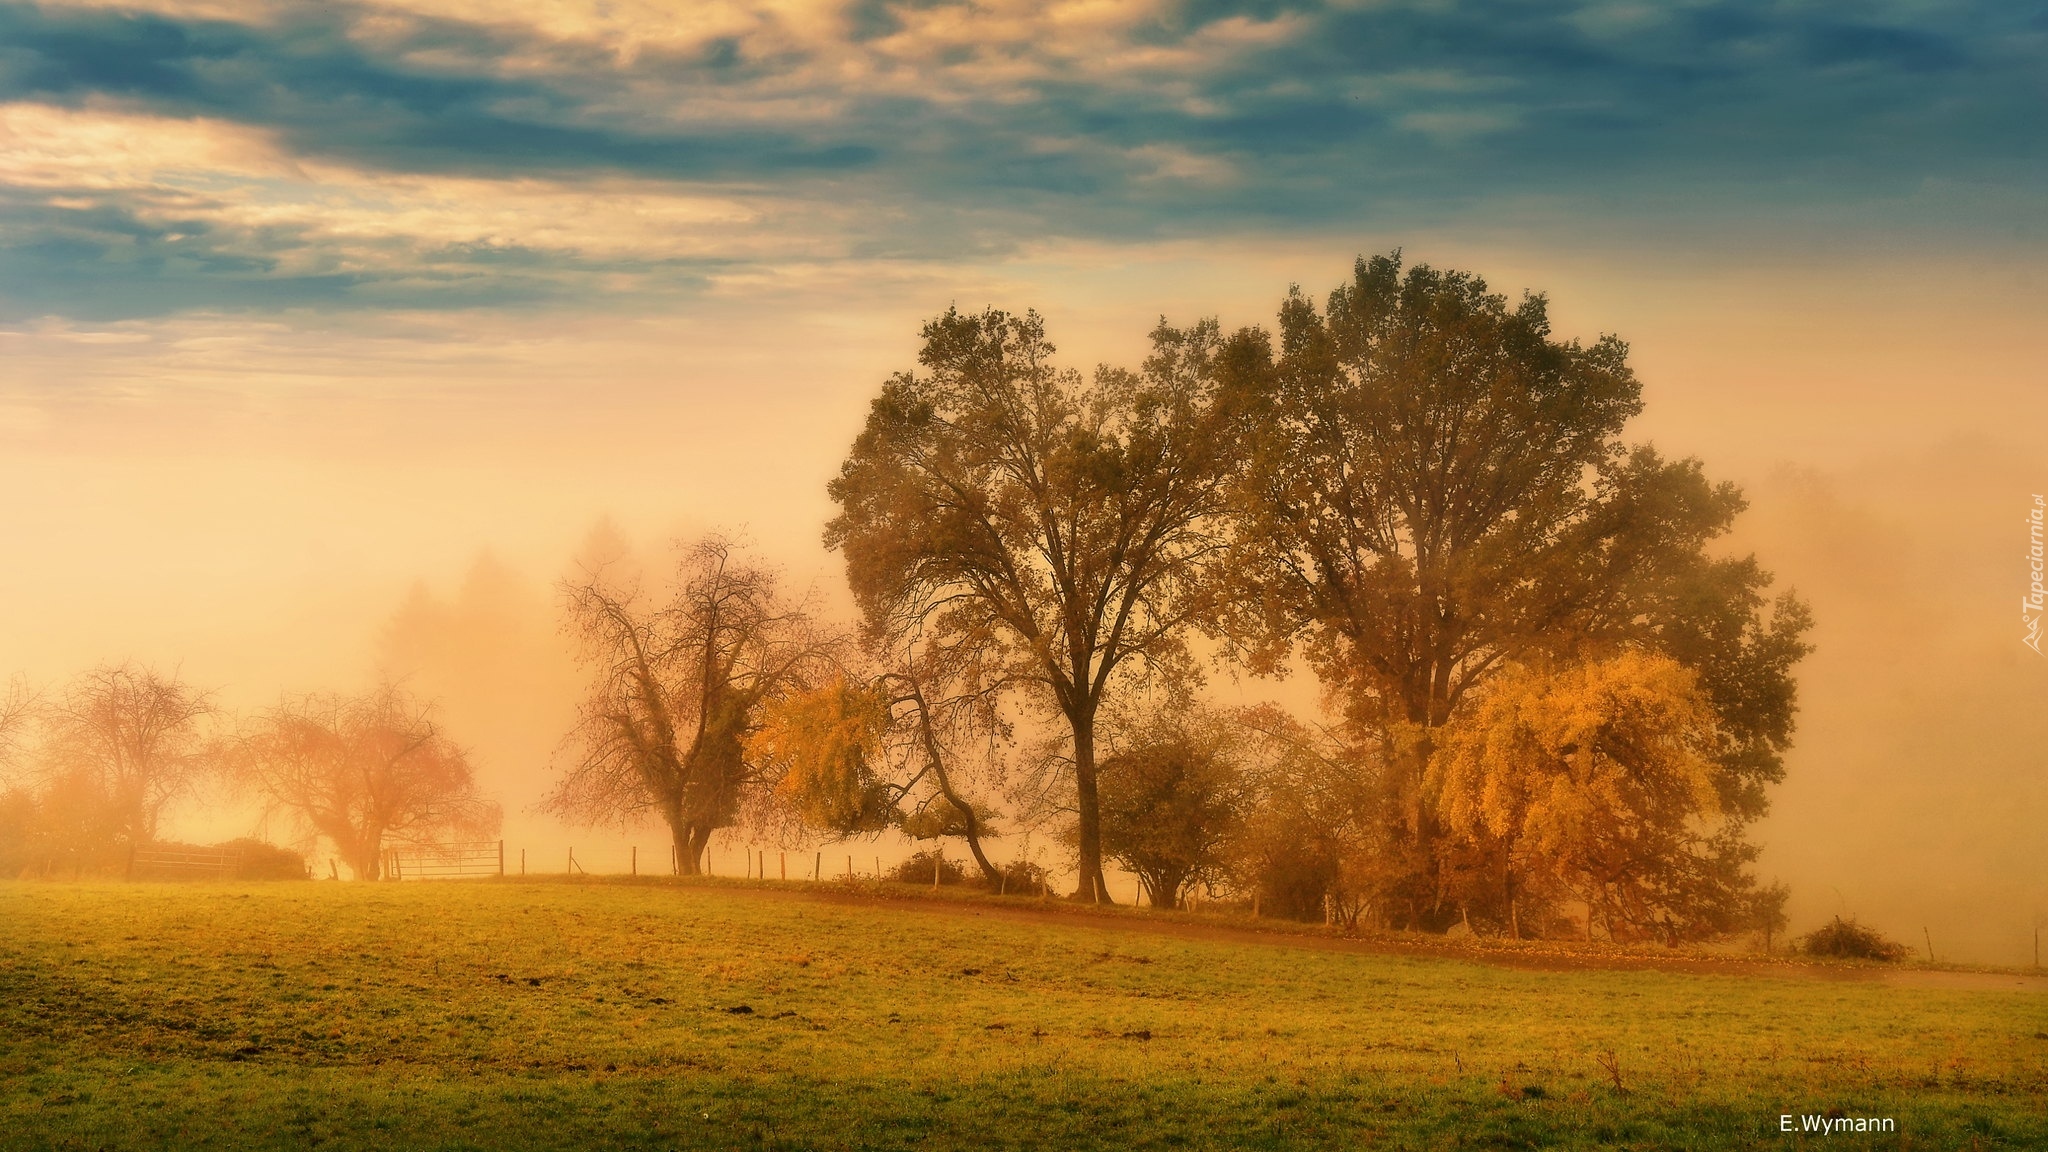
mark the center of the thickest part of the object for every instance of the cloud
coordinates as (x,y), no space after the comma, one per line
(937,131)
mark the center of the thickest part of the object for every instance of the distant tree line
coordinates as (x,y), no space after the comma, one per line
(87,774)
(1553,703)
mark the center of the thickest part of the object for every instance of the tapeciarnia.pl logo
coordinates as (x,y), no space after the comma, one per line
(2033,603)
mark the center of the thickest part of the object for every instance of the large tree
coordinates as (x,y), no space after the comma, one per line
(1439,489)
(1000,502)
(364,771)
(678,687)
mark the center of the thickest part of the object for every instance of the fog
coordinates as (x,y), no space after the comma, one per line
(1916,795)
(260,516)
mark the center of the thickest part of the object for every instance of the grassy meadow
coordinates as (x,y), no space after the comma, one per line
(539,1015)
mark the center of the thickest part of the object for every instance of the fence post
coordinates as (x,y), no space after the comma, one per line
(849,867)
(635,865)
(783,860)
(938,857)
(818,867)
(501,858)
(571,870)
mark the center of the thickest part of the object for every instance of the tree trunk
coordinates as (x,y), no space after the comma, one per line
(365,859)
(937,757)
(682,836)
(1507,880)
(1090,887)
(696,841)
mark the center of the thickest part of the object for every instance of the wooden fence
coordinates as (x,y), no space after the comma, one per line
(445,861)
(161,862)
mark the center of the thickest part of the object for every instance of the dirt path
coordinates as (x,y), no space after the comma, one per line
(1031,913)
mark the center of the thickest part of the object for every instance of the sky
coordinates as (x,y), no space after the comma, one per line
(328,330)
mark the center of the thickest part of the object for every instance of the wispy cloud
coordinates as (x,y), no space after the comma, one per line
(166,154)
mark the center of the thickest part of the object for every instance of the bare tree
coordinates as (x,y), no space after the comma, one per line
(934,722)
(17,710)
(118,747)
(364,771)
(676,690)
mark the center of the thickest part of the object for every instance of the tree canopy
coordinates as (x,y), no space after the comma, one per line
(1438,490)
(1000,502)
(1593,781)
(1174,799)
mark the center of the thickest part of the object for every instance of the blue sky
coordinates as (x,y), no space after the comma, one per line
(299,144)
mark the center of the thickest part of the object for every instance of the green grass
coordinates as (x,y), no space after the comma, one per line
(551,1015)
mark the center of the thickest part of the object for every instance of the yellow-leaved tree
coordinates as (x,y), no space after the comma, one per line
(827,743)
(1590,782)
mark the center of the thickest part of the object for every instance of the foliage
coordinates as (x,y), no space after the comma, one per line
(363,771)
(917,869)
(1023,878)
(1173,801)
(938,820)
(858,758)
(1592,782)
(1438,491)
(1763,911)
(259,859)
(825,744)
(1848,940)
(1062,529)
(555,1016)
(1304,849)
(262,860)
(677,690)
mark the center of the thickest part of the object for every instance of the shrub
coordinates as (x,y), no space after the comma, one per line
(1023,878)
(1847,939)
(1291,883)
(262,860)
(918,870)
